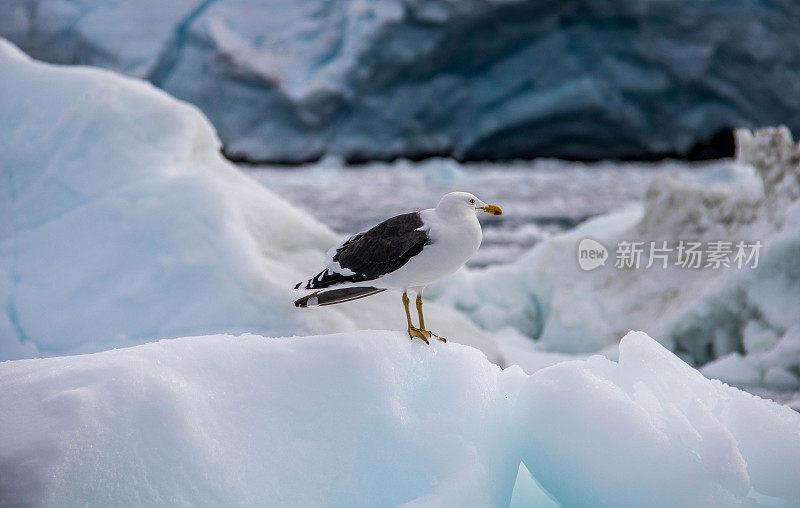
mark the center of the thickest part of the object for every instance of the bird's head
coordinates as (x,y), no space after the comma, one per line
(463,203)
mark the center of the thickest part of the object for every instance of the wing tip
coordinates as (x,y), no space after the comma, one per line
(334,296)
(311,300)
(307,301)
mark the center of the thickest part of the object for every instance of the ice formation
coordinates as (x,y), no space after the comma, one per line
(121,223)
(371,419)
(292,80)
(745,319)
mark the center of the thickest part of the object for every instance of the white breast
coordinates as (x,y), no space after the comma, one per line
(453,242)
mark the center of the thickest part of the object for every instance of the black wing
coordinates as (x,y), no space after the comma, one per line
(381,250)
(384,248)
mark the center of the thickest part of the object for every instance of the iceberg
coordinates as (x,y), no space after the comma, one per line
(498,79)
(121,223)
(369,418)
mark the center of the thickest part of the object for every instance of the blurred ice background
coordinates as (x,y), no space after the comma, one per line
(539,198)
(292,81)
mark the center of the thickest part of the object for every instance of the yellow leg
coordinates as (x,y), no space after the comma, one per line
(422,320)
(419,312)
(406,301)
(413,331)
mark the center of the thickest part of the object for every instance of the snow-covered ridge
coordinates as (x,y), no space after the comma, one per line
(372,419)
(746,318)
(292,80)
(121,223)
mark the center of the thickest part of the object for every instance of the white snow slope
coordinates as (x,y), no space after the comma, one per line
(120,223)
(371,419)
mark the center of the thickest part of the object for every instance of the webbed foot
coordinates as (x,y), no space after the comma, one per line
(414,332)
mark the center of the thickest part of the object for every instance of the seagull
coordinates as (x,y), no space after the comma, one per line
(404,253)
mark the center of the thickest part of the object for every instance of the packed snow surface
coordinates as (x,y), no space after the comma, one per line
(292,80)
(372,419)
(121,223)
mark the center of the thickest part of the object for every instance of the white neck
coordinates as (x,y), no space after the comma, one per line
(454,214)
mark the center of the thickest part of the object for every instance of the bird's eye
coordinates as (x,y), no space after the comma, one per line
(472,201)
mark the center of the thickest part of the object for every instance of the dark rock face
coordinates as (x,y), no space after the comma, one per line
(584,79)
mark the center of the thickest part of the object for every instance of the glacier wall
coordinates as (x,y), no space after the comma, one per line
(292,81)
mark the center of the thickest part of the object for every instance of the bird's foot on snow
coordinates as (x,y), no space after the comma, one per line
(425,335)
(414,332)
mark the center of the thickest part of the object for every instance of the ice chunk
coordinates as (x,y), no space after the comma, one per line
(370,418)
(357,419)
(604,426)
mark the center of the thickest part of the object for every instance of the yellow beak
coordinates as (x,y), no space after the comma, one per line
(492,209)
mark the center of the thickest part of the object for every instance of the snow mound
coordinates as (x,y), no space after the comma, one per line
(701,314)
(290,81)
(372,419)
(121,223)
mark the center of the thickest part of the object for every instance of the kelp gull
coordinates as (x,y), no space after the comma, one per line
(406,252)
